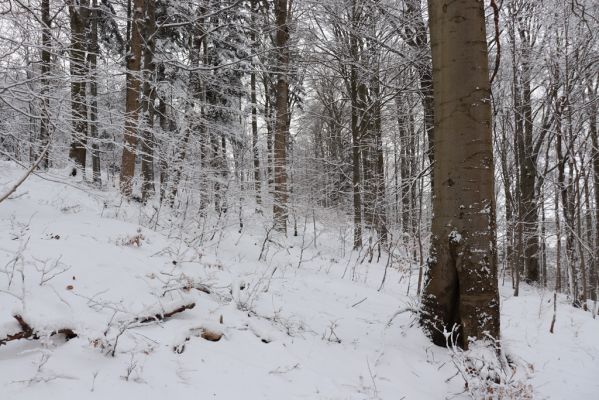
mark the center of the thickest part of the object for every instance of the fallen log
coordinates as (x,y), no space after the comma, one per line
(27,332)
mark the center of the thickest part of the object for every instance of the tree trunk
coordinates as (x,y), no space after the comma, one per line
(558,241)
(93,92)
(253,100)
(355,127)
(461,286)
(269,117)
(165,126)
(132,100)
(45,81)
(281,128)
(78,13)
(528,171)
(419,41)
(149,97)
(594,279)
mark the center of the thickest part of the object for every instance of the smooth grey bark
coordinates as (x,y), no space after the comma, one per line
(461,285)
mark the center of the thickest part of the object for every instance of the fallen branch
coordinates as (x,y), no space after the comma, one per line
(139,321)
(198,286)
(27,332)
(166,315)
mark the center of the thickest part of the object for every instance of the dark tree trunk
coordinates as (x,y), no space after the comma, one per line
(78,13)
(419,41)
(132,99)
(149,97)
(281,127)
(93,91)
(253,100)
(45,81)
(356,129)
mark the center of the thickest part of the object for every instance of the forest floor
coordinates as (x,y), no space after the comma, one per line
(305,321)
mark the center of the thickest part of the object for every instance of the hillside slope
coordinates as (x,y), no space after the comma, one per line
(305,322)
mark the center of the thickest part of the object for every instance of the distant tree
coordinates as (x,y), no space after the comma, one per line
(281,125)
(79,13)
(132,99)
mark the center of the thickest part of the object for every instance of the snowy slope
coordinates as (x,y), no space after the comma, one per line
(315,329)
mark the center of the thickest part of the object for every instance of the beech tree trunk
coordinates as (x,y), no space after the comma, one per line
(461,284)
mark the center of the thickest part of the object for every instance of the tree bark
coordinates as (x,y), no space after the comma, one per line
(528,169)
(93,93)
(419,41)
(78,13)
(355,125)
(281,128)
(461,288)
(149,97)
(133,82)
(253,100)
(594,278)
(45,80)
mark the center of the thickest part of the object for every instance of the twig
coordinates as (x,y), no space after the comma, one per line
(24,177)
(359,302)
(401,311)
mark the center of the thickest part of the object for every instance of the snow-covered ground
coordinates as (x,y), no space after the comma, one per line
(304,322)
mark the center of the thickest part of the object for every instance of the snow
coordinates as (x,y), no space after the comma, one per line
(455,237)
(318,331)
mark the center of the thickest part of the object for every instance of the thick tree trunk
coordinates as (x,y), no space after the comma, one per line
(280,211)
(461,288)
(78,13)
(132,100)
